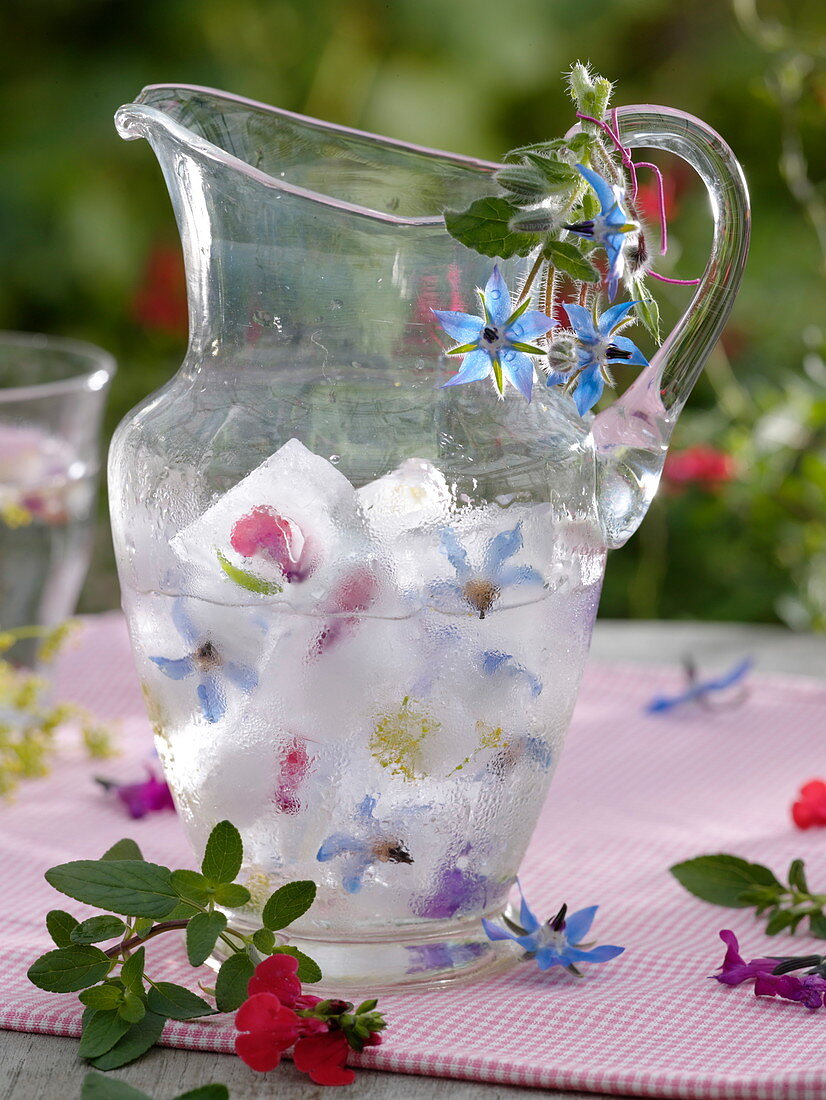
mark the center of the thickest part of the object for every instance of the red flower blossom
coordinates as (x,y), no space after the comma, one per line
(810,807)
(277,975)
(703,466)
(324,1058)
(160,300)
(268,1029)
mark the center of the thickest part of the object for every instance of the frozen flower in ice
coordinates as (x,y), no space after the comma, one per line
(295,763)
(599,345)
(355,591)
(534,749)
(810,806)
(494,662)
(149,796)
(808,990)
(263,532)
(609,226)
(480,588)
(456,890)
(555,943)
(374,843)
(206,663)
(734,969)
(397,740)
(443,956)
(698,691)
(495,344)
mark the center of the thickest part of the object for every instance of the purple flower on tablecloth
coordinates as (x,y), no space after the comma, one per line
(149,796)
(698,691)
(734,969)
(373,842)
(808,990)
(207,663)
(456,891)
(558,942)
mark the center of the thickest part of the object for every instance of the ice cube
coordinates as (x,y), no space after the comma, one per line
(280,524)
(413,495)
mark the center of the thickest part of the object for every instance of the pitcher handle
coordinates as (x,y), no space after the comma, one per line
(662,389)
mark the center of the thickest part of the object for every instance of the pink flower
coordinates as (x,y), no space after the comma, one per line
(735,969)
(705,467)
(355,591)
(807,990)
(294,768)
(810,807)
(265,533)
(147,797)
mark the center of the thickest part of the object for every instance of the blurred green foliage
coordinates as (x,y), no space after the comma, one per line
(88,245)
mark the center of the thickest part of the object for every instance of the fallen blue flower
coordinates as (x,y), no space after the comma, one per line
(555,943)
(698,691)
(495,344)
(609,226)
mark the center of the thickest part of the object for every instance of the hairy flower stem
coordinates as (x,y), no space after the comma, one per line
(540,259)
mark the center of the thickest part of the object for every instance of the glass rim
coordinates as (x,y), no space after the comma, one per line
(99,373)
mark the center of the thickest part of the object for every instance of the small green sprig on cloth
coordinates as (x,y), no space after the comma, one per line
(737,884)
(97,1087)
(125,1008)
(28,720)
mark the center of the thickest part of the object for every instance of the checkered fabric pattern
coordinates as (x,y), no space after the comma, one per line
(633,794)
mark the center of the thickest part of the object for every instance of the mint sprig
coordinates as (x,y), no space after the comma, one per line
(735,883)
(126,1008)
(97,1087)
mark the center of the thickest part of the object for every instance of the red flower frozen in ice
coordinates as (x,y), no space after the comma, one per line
(810,807)
(295,764)
(265,533)
(706,467)
(356,590)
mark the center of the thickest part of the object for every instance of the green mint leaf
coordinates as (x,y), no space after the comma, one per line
(232,982)
(484,227)
(132,887)
(182,911)
(60,925)
(308,969)
(778,921)
(191,886)
(288,903)
(177,1003)
(133,1007)
(817,925)
(264,940)
(101,996)
(102,1031)
(224,853)
(205,1092)
(69,969)
(201,934)
(97,929)
(131,973)
(231,894)
(797,876)
(525,183)
(557,173)
(143,926)
(567,257)
(135,1042)
(98,1087)
(722,879)
(646,310)
(123,849)
(244,579)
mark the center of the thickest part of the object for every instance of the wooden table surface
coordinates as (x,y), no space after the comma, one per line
(44,1067)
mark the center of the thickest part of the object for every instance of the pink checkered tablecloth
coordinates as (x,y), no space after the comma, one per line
(633,794)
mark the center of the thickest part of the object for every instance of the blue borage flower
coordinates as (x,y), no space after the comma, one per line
(609,227)
(376,842)
(698,691)
(207,664)
(596,344)
(494,344)
(493,662)
(556,943)
(480,589)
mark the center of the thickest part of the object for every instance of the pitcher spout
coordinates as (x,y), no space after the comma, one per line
(632,435)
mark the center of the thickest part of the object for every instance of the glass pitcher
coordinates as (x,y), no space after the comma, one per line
(360,603)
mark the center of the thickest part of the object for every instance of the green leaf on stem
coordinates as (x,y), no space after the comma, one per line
(69,969)
(308,969)
(60,925)
(224,853)
(779,920)
(288,903)
(525,183)
(177,1002)
(132,887)
(143,926)
(191,886)
(135,1042)
(797,876)
(231,894)
(817,925)
(264,940)
(559,175)
(97,929)
(723,879)
(567,257)
(102,1031)
(244,579)
(131,973)
(98,1087)
(232,982)
(484,227)
(123,849)
(202,933)
(205,1092)
(101,996)
(133,1007)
